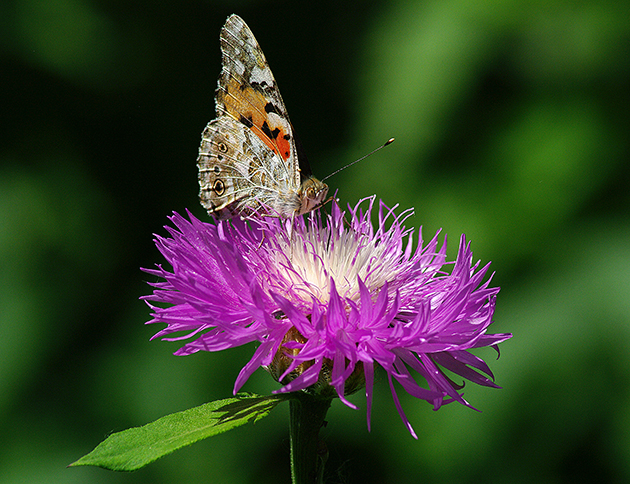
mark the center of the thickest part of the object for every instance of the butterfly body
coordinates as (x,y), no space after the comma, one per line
(249,159)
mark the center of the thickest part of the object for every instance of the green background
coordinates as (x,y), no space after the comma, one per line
(512,125)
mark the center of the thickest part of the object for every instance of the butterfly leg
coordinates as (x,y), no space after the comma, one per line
(262,239)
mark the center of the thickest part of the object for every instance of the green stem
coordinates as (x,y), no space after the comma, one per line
(307,454)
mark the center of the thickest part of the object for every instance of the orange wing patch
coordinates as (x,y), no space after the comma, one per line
(252,108)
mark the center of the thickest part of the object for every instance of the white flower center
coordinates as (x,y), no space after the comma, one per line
(311,259)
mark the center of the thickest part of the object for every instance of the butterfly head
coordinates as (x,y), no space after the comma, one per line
(312,194)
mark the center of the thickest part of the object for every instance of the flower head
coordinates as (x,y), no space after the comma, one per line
(328,299)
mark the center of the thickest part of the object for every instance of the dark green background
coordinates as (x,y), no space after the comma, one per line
(512,125)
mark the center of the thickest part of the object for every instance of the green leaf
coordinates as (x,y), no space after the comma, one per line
(134,448)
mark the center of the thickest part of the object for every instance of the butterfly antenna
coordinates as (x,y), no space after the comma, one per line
(389,141)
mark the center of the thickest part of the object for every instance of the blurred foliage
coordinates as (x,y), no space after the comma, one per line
(511,122)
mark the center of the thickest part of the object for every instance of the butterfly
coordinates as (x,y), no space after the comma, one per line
(250,162)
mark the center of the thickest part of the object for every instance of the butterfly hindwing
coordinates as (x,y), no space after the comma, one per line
(234,169)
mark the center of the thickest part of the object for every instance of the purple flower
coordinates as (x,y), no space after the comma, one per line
(328,298)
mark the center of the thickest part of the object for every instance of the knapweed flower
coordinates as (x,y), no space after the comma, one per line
(328,298)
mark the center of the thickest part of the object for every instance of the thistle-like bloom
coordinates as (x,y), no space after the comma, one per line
(328,298)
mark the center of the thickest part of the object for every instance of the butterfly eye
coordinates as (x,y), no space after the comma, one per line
(219,187)
(310,192)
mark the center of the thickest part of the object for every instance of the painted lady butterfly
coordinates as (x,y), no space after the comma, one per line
(249,160)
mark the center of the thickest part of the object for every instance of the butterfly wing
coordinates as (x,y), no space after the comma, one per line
(235,172)
(251,139)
